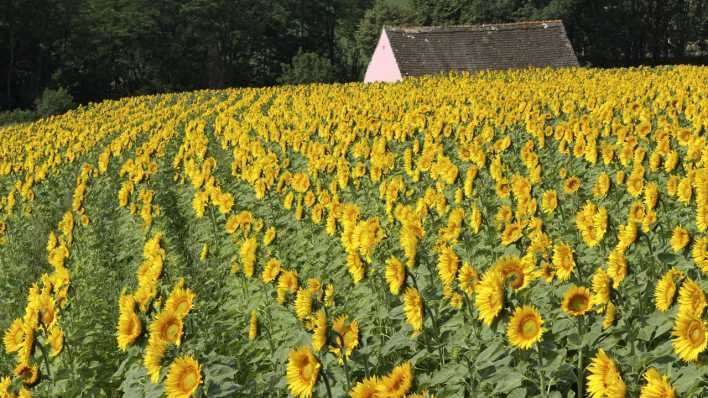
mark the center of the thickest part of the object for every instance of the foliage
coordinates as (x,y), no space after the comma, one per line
(54,102)
(101,49)
(333,238)
(17,116)
(307,68)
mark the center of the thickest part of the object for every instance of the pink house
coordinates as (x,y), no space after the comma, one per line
(428,50)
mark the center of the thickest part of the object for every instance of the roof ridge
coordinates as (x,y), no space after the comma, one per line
(477,27)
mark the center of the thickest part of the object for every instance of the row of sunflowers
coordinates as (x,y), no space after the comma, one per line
(521,233)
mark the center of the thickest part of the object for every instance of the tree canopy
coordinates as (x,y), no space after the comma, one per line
(100,49)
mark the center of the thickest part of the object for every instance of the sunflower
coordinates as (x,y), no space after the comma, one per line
(247,254)
(355,267)
(475,219)
(365,388)
(635,184)
(413,308)
(657,386)
(154,352)
(448,263)
(467,279)
(679,239)
(287,283)
(28,374)
(690,336)
(167,327)
(204,252)
(602,186)
(347,336)
(395,275)
(525,327)
(603,378)
(319,337)
(271,270)
(303,369)
(691,298)
(180,300)
(183,378)
(616,267)
(14,336)
(665,290)
(576,301)
(700,253)
(397,383)
(563,261)
(303,303)
(512,232)
(571,184)
(512,268)
(600,287)
(549,201)
(129,329)
(253,326)
(489,297)
(547,272)
(269,236)
(56,340)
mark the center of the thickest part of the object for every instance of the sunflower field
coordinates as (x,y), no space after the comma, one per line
(528,233)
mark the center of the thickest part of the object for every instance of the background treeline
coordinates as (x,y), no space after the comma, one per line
(100,49)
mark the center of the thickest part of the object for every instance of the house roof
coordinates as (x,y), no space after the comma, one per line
(439,49)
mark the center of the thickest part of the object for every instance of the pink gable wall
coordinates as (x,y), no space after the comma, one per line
(383,66)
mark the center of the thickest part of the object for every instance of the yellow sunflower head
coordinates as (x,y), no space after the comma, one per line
(395,275)
(303,369)
(604,379)
(690,336)
(448,264)
(467,278)
(489,296)
(183,378)
(563,261)
(691,298)
(253,326)
(180,301)
(525,327)
(365,388)
(14,336)
(571,184)
(657,386)
(413,308)
(128,330)
(576,301)
(319,337)
(665,291)
(167,327)
(397,383)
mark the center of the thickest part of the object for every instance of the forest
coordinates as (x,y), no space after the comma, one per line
(99,49)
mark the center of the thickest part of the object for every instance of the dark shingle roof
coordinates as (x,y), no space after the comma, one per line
(439,49)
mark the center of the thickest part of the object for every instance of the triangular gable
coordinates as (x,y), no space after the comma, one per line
(383,66)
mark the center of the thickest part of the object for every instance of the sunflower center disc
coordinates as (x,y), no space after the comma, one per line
(577,303)
(528,328)
(695,334)
(172,332)
(189,381)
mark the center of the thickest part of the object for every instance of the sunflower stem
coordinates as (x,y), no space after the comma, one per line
(46,360)
(346,369)
(541,377)
(326,380)
(580,357)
